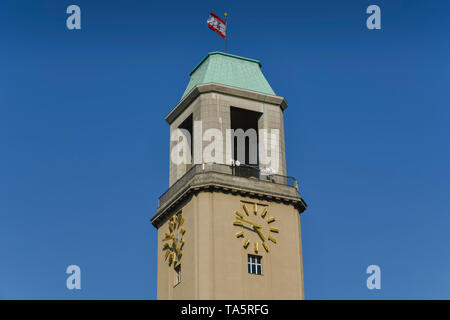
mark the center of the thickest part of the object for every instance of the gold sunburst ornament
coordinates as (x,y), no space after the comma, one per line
(259,222)
(173,241)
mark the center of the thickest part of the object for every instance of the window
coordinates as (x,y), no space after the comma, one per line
(177,278)
(254,264)
(245,144)
(188,125)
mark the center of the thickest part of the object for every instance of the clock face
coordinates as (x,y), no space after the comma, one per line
(255,228)
(173,241)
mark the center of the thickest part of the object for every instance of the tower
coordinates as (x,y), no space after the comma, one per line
(229,224)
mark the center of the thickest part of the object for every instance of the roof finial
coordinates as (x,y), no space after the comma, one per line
(226,16)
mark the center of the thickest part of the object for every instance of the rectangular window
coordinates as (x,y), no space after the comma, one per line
(245,146)
(177,278)
(254,264)
(188,126)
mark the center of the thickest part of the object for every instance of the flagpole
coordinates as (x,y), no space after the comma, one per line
(226,27)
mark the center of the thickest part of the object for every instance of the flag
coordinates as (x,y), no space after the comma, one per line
(218,25)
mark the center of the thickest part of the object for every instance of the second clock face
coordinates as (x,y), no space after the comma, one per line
(256,227)
(173,241)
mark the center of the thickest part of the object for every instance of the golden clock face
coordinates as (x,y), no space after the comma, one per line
(173,241)
(255,228)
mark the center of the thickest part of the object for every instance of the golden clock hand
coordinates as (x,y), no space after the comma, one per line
(249,222)
(260,234)
(174,244)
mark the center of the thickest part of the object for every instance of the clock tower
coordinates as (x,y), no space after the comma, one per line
(229,224)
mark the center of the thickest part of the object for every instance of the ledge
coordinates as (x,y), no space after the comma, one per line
(209,181)
(220,88)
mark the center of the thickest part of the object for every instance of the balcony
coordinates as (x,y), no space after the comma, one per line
(246,180)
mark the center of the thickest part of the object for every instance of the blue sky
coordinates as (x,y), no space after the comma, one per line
(84,146)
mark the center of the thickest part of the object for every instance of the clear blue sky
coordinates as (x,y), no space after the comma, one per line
(85,154)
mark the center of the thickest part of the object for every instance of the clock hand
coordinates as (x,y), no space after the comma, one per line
(174,243)
(249,222)
(260,234)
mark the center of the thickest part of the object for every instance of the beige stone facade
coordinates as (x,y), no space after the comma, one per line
(214,262)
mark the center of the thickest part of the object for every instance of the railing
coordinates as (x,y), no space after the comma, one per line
(244,171)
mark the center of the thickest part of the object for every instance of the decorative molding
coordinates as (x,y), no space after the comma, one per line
(220,88)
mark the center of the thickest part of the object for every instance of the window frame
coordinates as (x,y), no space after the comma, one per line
(254,264)
(177,275)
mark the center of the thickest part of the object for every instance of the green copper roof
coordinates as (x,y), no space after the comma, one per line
(230,70)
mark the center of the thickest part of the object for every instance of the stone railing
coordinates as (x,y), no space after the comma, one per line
(249,172)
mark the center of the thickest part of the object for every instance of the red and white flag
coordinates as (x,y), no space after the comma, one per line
(218,25)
